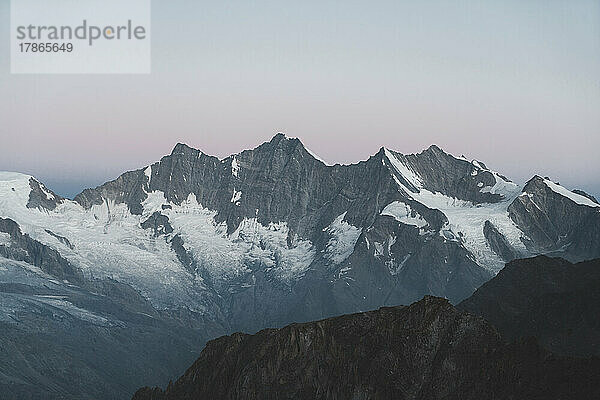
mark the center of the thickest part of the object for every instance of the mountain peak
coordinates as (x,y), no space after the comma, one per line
(537,184)
(436,148)
(281,138)
(182,148)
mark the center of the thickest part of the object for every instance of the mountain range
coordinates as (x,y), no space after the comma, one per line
(205,247)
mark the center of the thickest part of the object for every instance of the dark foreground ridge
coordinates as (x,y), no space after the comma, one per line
(550,299)
(428,350)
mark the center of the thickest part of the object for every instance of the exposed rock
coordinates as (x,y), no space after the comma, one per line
(128,188)
(498,242)
(42,197)
(182,254)
(159,224)
(60,238)
(555,224)
(62,342)
(452,176)
(280,181)
(272,235)
(24,248)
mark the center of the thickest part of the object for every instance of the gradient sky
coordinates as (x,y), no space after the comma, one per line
(515,84)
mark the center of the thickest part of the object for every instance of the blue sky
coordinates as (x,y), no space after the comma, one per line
(515,84)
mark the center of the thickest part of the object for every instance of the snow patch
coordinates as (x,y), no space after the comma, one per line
(576,198)
(502,187)
(235,168)
(343,274)
(14,191)
(49,195)
(235,198)
(269,246)
(343,239)
(403,213)
(380,249)
(73,310)
(379,252)
(384,251)
(466,221)
(395,267)
(108,243)
(4,239)
(253,245)
(477,164)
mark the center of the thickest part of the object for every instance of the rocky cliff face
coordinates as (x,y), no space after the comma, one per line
(20,247)
(548,298)
(42,197)
(428,350)
(557,221)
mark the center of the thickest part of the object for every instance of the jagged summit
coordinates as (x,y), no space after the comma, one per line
(182,149)
(434,148)
(281,142)
(279,136)
(538,183)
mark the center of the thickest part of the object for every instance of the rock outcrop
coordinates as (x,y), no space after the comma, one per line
(23,248)
(428,350)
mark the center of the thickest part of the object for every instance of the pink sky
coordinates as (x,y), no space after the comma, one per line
(514,85)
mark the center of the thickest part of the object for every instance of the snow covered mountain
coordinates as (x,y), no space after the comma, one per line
(273,235)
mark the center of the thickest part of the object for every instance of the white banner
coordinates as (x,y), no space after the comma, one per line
(80,36)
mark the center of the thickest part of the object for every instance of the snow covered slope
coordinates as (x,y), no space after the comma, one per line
(465,217)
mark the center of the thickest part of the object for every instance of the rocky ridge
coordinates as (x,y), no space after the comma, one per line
(428,350)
